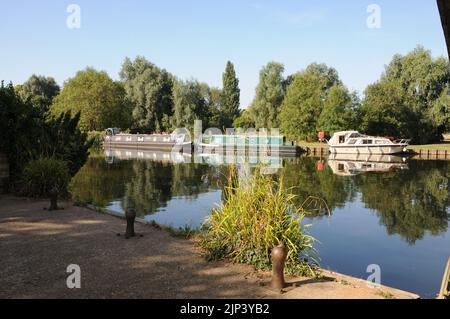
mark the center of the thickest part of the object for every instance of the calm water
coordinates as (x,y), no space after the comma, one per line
(395,215)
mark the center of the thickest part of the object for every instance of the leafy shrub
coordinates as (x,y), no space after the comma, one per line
(254,218)
(45,177)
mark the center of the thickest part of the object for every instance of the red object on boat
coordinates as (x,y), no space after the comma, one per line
(321,135)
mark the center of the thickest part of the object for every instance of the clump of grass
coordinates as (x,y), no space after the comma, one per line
(256,216)
(185,232)
(386,295)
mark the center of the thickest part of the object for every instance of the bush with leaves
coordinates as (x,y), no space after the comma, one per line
(255,217)
(28,134)
(46,178)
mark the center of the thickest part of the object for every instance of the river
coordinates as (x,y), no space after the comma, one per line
(390,213)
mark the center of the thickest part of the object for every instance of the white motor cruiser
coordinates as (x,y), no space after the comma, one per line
(353,142)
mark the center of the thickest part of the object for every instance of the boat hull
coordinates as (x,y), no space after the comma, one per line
(374,149)
(283,150)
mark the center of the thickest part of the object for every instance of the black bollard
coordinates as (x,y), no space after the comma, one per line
(130,215)
(53,199)
(279,255)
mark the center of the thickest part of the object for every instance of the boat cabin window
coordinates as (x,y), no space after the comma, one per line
(341,139)
(352,141)
(355,135)
(367,142)
(341,167)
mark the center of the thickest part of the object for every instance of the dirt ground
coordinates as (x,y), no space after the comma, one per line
(37,246)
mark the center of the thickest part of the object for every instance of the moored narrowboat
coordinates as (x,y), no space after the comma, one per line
(162,142)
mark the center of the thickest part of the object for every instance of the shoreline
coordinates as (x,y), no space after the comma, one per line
(37,246)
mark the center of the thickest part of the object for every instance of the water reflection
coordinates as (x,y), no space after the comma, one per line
(410,202)
(410,198)
(354,164)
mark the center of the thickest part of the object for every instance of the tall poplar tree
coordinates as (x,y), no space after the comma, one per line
(230,96)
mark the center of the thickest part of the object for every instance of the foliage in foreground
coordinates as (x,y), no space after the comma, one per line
(255,217)
(46,178)
(29,134)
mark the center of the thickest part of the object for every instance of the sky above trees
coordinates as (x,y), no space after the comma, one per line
(196,38)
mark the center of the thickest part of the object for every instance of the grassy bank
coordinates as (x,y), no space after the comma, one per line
(432,147)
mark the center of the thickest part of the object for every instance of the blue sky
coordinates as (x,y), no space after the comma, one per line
(194,39)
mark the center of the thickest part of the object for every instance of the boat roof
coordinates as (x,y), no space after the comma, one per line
(346,132)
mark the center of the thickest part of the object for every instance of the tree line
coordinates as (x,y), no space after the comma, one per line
(410,100)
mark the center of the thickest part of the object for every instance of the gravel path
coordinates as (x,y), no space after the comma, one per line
(37,246)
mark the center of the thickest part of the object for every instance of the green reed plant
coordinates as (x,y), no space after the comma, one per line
(258,214)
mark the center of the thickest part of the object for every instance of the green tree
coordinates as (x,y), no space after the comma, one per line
(340,111)
(244,121)
(269,96)
(418,81)
(213,99)
(20,127)
(62,139)
(100,100)
(311,92)
(28,134)
(39,90)
(328,75)
(189,104)
(230,96)
(385,111)
(439,113)
(302,107)
(150,90)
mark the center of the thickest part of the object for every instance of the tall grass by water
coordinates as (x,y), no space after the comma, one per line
(257,214)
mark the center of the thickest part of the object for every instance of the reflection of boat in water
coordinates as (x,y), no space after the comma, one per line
(354,164)
(247,144)
(113,154)
(353,142)
(268,164)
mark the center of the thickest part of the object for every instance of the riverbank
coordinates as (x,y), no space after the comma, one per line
(37,246)
(439,151)
(416,148)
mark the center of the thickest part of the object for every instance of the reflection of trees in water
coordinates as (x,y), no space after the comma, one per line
(150,187)
(306,181)
(410,202)
(145,185)
(154,184)
(99,182)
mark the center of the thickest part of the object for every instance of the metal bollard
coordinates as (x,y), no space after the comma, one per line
(279,255)
(130,216)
